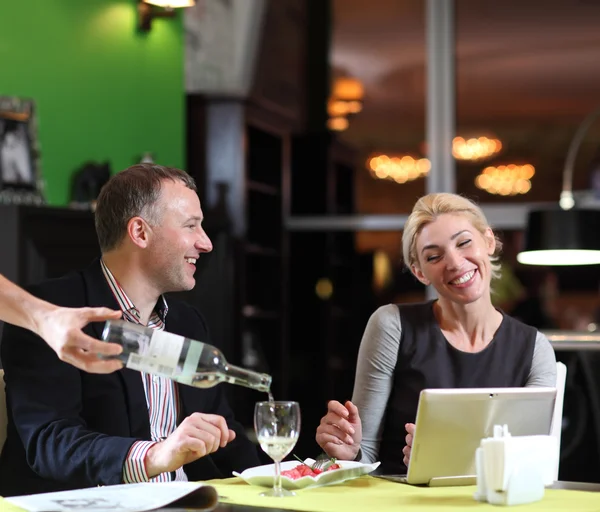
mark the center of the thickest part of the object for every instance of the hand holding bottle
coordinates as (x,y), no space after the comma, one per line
(340,432)
(198,435)
(62,328)
(178,358)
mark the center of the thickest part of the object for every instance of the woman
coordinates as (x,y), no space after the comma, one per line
(459,340)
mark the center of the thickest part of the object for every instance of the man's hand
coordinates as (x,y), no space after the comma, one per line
(340,432)
(410,429)
(197,436)
(61,329)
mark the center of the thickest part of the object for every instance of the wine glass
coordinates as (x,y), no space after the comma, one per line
(277,427)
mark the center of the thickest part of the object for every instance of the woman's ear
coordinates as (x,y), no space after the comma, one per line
(490,240)
(418,273)
(138,232)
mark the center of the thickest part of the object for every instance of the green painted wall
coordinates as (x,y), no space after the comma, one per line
(103,91)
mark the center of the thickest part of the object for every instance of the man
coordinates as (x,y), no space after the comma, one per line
(70,429)
(60,327)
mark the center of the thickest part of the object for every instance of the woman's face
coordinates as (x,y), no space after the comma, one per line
(454,257)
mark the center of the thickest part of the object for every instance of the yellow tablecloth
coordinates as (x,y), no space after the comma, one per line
(374,494)
(5,506)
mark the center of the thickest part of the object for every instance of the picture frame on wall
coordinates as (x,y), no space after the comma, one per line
(20,176)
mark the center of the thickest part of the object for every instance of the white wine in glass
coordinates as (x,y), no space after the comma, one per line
(277,426)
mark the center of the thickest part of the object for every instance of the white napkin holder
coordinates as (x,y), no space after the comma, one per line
(514,470)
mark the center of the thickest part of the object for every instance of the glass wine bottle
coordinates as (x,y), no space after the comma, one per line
(178,358)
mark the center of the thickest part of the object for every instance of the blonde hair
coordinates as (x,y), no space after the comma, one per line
(428,208)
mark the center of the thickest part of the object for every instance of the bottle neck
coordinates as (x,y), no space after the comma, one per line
(248,378)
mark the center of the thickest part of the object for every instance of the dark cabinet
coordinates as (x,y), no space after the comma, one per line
(242,150)
(327,291)
(45,242)
(263,251)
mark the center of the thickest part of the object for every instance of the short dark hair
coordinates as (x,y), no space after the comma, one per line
(131,193)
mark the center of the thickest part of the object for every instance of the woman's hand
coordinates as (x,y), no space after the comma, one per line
(410,429)
(340,432)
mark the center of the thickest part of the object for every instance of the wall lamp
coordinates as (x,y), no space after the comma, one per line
(564,235)
(150,9)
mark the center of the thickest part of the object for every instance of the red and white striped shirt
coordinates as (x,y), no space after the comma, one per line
(161,393)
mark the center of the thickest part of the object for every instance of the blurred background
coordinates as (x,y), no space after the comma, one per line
(310,127)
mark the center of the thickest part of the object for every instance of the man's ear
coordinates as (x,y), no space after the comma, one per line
(419,275)
(138,232)
(490,240)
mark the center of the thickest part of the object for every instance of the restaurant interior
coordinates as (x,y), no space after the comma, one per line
(311,128)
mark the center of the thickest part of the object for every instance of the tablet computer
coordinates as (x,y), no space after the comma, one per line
(450,424)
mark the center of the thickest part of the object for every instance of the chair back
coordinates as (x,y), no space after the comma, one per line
(556,428)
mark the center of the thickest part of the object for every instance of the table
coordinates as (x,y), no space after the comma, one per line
(370,493)
(576,486)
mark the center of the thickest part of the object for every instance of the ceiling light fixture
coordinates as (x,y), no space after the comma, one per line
(564,235)
(150,9)
(471,149)
(476,148)
(345,100)
(398,168)
(506,180)
(348,89)
(337,124)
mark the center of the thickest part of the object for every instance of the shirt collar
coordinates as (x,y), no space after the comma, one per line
(125,303)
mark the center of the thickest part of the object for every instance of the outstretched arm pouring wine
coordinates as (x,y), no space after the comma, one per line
(60,327)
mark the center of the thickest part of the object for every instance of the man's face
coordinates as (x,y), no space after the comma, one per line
(176,238)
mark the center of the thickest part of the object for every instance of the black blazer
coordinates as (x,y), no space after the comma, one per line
(69,429)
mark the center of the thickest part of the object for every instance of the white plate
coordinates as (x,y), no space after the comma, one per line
(263,476)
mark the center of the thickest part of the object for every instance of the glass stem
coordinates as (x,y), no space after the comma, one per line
(277,485)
